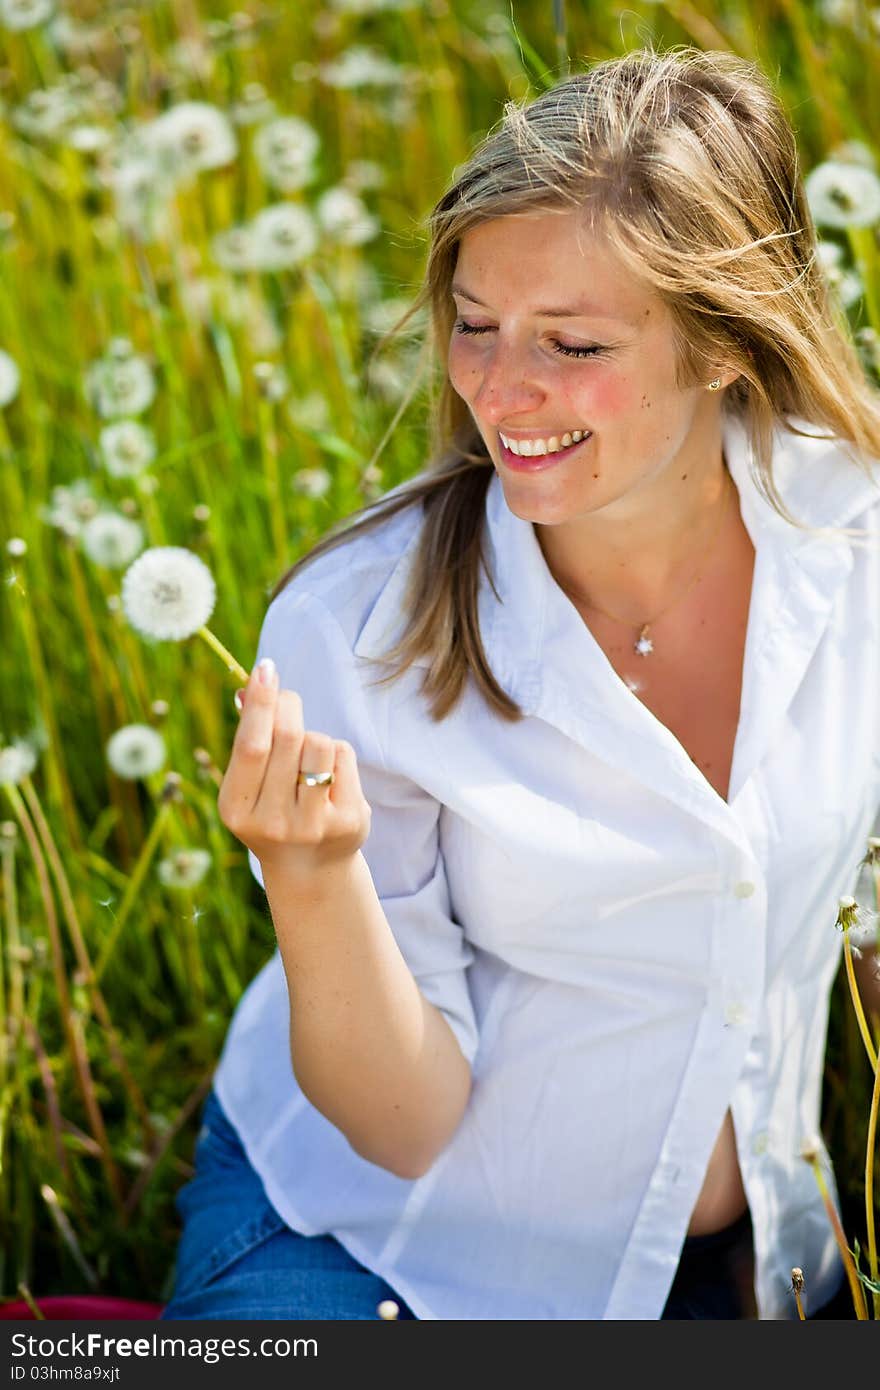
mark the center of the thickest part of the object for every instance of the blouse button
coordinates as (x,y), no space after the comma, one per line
(743,889)
(735,1015)
(759,1142)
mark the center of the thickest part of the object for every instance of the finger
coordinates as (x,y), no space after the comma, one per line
(318,755)
(277,796)
(252,744)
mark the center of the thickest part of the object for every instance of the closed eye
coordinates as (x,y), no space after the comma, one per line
(568,351)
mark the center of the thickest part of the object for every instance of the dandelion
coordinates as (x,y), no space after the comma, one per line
(361,66)
(388,1309)
(255,105)
(363,174)
(140,193)
(10,378)
(312,482)
(387,378)
(850,920)
(70,506)
(271,380)
(25,14)
(120,383)
(184,868)
(17,761)
(797,1288)
(190,137)
(235,248)
(168,594)
(311,412)
(285,151)
(88,138)
(127,448)
(111,540)
(16,547)
(344,217)
(284,236)
(854,152)
(381,317)
(843,195)
(45,114)
(136,750)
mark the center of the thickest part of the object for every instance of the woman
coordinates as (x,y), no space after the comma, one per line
(544,1034)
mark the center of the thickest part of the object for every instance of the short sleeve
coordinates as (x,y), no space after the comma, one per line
(314,657)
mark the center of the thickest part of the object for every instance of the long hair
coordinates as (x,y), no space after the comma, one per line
(686,162)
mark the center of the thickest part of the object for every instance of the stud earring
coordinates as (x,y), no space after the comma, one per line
(714,385)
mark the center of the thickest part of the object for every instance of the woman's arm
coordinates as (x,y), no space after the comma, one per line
(368,1050)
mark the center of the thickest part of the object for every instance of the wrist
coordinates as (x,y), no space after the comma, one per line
(285,876)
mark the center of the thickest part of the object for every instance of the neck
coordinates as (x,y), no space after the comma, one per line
(638,560)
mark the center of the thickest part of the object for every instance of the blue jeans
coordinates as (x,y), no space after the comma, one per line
(237,1258)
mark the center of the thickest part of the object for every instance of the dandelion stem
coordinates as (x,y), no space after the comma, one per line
(148,849)
(75,1041)
(227,657)
(857,1002)
(869,1187)
(84,960)
(855,1286)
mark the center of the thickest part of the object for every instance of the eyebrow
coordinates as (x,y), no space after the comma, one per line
(574,311)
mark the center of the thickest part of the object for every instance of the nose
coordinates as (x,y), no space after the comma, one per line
(507,385)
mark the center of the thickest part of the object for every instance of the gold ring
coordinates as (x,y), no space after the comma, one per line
(315,779)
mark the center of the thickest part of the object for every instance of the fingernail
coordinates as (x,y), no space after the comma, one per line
(266,672)
(238,700)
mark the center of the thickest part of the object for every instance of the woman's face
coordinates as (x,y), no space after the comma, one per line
(553,335)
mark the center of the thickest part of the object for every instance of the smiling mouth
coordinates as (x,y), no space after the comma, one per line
(536,462)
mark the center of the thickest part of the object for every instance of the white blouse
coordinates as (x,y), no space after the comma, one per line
(621,954)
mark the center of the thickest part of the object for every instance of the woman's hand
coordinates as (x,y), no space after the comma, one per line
(296,829)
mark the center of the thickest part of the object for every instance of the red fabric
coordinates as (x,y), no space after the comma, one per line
(83,1308)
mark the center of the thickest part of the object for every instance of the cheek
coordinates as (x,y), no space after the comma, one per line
(460,371)
(613,397)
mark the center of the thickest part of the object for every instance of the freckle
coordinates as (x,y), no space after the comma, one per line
(595,475)
(683,476)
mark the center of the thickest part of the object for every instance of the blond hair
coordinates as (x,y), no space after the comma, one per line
(686,162)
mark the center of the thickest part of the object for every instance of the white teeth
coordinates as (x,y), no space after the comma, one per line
(536,448)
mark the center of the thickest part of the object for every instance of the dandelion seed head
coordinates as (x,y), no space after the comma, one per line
(365,174)
(344,217)
(388,1309)
(311,411)
(235,248)
(190,137)
(184,868)
(843,194)
(272,380)
(361,66)
(117,386)
(285,151)
(168,593)
(25,14)
(70,505)
(127,448)
(111,540)
(312,482)
(10,378)
(17,761)
(285,235)
(16,547)
(136,750)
